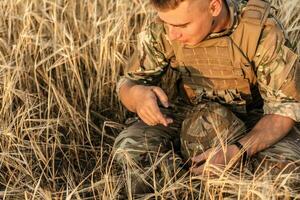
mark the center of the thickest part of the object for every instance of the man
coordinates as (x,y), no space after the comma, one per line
(206,60)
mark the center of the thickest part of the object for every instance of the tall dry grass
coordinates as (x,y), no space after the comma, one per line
(59,64)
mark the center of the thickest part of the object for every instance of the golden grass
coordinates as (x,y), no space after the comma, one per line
(59,64)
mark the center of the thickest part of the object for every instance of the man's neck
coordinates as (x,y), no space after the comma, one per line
(222,21)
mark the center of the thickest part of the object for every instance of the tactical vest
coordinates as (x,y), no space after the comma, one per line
(222,69)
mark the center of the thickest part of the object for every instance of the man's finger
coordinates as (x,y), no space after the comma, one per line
(162,120)
(201,157)
(147,120)
(197,170)
(159,116)
(163,98)
(147,117)
(153,116)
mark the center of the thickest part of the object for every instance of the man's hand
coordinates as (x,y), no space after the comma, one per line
(269,130)
(217,158)
(143,100)
(147,106)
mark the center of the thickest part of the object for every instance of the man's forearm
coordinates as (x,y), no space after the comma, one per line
(124,96)
(268,131)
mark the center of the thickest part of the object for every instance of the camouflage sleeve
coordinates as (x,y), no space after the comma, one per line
(151,57)
(278,73)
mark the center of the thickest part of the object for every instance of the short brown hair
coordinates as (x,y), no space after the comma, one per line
(165,4)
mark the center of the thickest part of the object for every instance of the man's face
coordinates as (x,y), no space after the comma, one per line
(189,23)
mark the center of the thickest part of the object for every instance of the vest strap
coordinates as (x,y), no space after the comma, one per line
(257,10)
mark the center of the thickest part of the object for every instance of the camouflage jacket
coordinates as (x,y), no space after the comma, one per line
(275,68)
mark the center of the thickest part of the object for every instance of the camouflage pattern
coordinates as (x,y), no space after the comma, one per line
(276,66)
(148,155)
(147,150)
(152,156)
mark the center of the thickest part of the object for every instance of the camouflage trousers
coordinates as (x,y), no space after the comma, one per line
(158,155)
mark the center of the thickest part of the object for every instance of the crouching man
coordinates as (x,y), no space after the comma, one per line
(209,76)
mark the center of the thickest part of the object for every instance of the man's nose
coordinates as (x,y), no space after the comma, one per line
(174,33)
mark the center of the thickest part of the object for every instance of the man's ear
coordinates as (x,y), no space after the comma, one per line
(215,7)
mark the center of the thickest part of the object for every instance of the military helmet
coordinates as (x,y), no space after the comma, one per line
(208,125)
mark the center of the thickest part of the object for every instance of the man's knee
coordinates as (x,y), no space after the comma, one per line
(139,139)
(127,144)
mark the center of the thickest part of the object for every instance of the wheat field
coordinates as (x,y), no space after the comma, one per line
(59,114)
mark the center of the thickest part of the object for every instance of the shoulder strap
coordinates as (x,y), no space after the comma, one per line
(247,34)
(256,11)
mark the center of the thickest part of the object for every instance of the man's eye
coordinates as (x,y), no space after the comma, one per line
(182,26)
